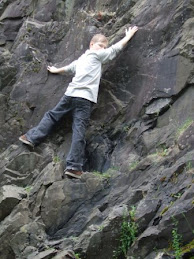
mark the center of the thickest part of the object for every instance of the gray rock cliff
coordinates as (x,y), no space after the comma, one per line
(140,142)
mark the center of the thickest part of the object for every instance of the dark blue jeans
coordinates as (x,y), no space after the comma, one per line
(81,110)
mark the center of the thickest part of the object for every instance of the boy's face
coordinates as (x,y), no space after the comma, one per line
(98,45)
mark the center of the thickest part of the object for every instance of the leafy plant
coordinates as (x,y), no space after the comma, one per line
(101,227)
(28,188)
(77,256)
(188,166)
(176,240)
(129,229)
(162,151)
(56,159)
(126,128)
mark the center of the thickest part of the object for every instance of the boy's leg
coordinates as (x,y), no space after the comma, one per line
(50,118)
(81,116)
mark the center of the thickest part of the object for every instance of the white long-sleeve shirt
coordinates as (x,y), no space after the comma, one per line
(87,69)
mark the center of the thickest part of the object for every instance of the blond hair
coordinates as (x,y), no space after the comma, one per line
(99,38)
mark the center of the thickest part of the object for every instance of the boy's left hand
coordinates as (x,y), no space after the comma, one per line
(131,31)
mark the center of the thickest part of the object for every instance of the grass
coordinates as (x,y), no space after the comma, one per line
(102,175)
(133,165)
(161,151)
(183,127)
(188,247)
(176,195)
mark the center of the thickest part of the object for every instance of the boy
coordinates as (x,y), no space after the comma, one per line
(81,93)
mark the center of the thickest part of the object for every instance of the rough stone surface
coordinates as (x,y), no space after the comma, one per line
(140,142)
(10,196)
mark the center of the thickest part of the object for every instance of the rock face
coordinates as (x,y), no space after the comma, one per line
(140,142)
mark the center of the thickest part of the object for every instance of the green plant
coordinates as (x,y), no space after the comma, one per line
(28,188)
(77,256)
(176,240)
(164,210)
(162,150)
(101,227)
(126,128)
(56,159)
(176,195)
(129,229)
(188,166)
(183,127)
(74,238)
(188,247)
(133,165)
(112,170)
(102,175)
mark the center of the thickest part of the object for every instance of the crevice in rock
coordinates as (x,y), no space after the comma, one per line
(103,207)
(182,92)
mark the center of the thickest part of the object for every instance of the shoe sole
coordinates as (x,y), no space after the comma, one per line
(26,142)
(73,175)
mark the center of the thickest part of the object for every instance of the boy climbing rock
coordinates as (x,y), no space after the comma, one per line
(81,93)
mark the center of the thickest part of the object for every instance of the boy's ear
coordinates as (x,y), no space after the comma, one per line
(91,43)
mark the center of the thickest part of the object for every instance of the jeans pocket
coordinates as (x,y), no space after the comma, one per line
(83,108)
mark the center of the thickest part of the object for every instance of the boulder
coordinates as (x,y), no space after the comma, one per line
(10,196)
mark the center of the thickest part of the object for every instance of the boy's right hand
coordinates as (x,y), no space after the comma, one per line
(53,69)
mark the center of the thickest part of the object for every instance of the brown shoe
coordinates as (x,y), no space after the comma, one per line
(24,140)
(73,173)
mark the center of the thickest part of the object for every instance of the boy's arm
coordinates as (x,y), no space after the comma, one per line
(106,55)
(55,70)
(69,68)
